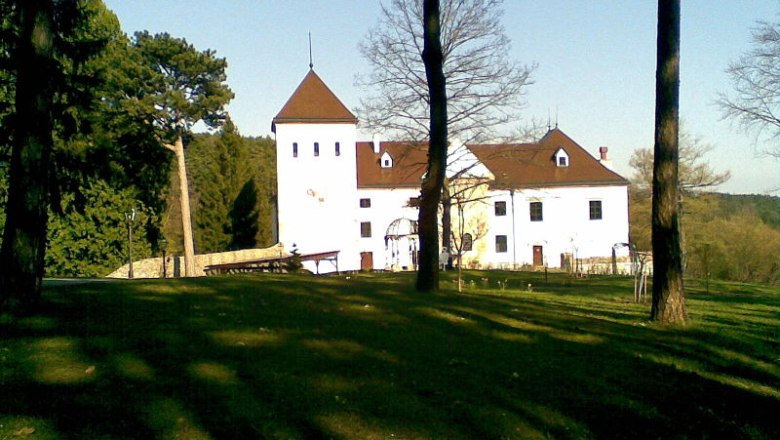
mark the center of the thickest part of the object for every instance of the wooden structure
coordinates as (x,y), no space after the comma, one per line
(272,264)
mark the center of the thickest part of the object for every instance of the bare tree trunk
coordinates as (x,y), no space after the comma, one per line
(186,217)
(668,292)
(24,237)
(428,272)
(446,222)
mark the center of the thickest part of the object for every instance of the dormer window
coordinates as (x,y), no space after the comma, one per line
(561,158)
(386,161)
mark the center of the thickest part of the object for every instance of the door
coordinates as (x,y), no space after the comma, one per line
(366,261)
(538,256)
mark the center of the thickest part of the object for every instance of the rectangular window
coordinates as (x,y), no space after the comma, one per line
(365,203)
(595,209)
(500,208)
(338,149)
(536,211)
(414,202)
(365,229)
(562,161)
(501,244)
(316,148)
(295,149)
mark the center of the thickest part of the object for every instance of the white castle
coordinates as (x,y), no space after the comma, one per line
(540,204)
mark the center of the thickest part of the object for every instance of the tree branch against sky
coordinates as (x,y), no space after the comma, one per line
(485,90)
(755,101)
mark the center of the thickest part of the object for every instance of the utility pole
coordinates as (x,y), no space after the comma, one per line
(130,217)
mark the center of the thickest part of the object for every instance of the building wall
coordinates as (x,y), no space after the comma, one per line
(318,194)
(565,228)
(387,205)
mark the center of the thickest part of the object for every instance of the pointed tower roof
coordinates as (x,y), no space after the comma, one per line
(314,103)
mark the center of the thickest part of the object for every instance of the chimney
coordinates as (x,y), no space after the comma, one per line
(603,157)
(376,143)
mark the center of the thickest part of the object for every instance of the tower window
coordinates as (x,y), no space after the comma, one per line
(316,148)
(338,149)
(295,149)
(365,203)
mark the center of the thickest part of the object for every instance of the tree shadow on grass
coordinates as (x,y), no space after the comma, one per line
(305,357)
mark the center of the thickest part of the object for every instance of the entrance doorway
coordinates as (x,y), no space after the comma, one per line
(538,256)
(367,261)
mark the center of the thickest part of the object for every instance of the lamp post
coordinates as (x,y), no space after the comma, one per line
(130,217)
(163,246)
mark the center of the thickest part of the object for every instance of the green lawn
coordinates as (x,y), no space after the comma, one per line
(364,357)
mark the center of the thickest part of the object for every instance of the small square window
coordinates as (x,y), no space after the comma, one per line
(500,208)
(365,203)
(414,202)
(365,229)
(316,148)
(295,149)
(338,149)
(501,246)
(536,211)
(562,161)
(595,209)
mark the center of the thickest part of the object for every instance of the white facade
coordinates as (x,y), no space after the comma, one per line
(317,193)
(323,207)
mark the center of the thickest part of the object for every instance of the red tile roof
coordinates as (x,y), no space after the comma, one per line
(513,165)
(533,165)
(313,102)
(409,162)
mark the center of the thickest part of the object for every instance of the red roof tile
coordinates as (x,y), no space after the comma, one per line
(513,165)
(409,162)
(533,165)
(313,102)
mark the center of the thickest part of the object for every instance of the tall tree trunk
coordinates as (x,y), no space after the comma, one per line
(428,272)
(24,237)
(186,216)
(668,292)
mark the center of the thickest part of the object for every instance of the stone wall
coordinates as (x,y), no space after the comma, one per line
(174,264)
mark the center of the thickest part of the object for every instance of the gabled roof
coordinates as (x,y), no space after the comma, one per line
(533,165)
(409,162)
(530,165)
(313,102)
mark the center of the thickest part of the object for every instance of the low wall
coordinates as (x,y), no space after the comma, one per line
(174,264)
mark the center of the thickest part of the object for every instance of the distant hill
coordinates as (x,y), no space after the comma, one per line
(766,207)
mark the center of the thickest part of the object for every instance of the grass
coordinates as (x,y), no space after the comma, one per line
(364,357)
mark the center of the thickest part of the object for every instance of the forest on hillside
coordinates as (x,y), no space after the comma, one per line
(725,236)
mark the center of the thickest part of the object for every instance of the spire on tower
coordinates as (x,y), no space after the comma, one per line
(311,62)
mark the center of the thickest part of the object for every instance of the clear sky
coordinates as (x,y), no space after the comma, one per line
(596,64)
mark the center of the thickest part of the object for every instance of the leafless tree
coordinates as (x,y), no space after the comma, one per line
(695,172)
(755,104)
(432,56)
(485,90)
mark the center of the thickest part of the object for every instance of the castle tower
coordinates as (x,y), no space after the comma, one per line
(316,173)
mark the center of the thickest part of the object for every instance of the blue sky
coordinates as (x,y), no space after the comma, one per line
(596,64)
